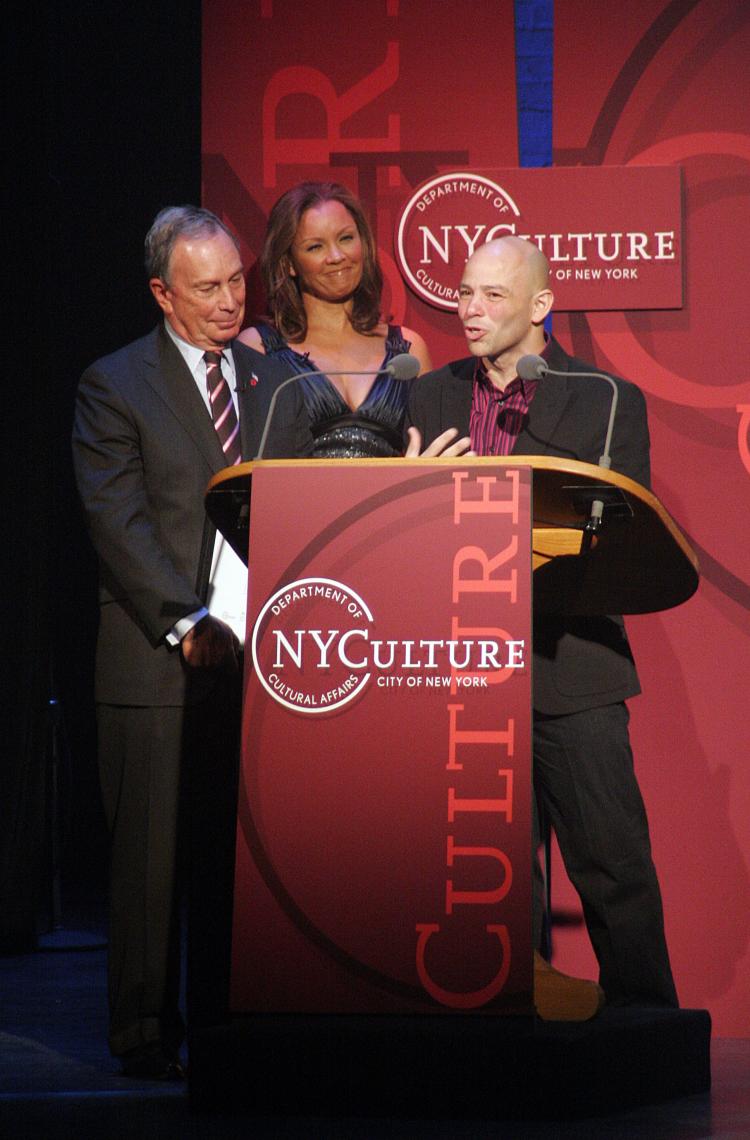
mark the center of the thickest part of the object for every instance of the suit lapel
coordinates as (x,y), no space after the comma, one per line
(456,396)
(546,411)
(168,374)
(251,415)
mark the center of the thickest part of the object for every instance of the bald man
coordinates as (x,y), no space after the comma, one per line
(583,667)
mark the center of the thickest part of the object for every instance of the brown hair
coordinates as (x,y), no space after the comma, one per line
(283,293)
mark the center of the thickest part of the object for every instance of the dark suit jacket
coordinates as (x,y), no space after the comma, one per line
(580,662)
(144,448)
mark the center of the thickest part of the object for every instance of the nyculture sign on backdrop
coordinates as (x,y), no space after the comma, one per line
(612,234)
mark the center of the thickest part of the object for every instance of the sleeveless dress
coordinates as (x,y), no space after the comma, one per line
(374,430)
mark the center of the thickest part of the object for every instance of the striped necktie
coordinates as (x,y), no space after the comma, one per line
(222,409)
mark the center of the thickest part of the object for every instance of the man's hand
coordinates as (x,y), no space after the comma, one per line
(446,445)
(210,645)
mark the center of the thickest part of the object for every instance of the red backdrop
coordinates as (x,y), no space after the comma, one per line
(371,94)
(672,88)
(384,95)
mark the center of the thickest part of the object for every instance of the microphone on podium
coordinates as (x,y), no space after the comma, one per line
(404,367)
(532,367)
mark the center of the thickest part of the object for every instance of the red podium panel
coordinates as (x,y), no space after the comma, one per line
(383,847)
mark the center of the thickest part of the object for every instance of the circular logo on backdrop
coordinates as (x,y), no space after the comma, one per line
(446,219)
(307,645)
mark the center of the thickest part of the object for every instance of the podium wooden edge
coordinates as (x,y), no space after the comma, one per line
(551,544)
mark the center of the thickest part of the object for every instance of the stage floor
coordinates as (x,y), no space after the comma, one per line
(58,1080)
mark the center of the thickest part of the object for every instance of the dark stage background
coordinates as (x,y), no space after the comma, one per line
(106,121)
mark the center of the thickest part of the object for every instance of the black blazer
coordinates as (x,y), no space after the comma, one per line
(144,448)
(579,663)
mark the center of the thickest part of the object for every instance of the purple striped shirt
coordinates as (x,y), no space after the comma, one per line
(497,417)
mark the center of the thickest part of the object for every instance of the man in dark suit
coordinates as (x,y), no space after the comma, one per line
(154,421)
(583,668)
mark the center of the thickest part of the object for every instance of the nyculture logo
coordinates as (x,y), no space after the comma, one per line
(300,645)
(612,234)
(442,224)
(315,648)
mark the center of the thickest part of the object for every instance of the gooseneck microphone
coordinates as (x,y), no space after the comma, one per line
(532,367)
(402,367)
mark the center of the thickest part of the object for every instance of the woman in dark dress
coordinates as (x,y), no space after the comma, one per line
(323,287)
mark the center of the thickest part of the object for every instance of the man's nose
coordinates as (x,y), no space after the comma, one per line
(227,298)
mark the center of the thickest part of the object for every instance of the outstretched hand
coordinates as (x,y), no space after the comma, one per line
(446,445)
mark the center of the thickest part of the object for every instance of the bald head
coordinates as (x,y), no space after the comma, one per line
(519,257)
(504,297)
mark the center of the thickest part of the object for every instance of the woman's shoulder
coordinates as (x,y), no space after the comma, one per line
(417,347)
(263,337)
(251,336)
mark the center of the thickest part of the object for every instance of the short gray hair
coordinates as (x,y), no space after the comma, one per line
(174,222)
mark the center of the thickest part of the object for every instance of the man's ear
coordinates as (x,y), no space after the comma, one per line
(541,306)
(160,291)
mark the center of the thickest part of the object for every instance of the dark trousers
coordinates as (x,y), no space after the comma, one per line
(584,780)
(169,785)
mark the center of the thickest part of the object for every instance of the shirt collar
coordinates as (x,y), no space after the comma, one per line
(525,387)
(193,356)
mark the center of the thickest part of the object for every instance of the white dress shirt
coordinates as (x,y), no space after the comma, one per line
(227,583)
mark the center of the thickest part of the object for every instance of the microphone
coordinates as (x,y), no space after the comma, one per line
(403,367)
(532,367)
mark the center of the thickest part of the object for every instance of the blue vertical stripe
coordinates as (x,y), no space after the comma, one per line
(533,31)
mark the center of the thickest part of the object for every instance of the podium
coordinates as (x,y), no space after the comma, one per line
(382,883)
(640,563)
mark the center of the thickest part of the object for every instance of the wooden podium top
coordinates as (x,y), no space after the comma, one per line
(639,562)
